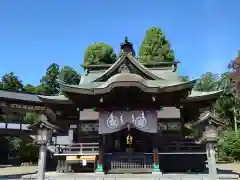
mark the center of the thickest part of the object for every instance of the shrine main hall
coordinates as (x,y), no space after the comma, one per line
(124,117)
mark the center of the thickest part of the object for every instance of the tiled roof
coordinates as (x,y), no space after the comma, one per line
(19,96)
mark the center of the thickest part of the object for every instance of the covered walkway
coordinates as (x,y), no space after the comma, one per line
(14,129)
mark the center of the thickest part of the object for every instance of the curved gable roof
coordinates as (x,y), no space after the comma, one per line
(133,61)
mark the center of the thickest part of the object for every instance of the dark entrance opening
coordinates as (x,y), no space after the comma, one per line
(142,141)
(122,158)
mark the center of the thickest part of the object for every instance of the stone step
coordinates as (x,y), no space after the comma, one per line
(92,176)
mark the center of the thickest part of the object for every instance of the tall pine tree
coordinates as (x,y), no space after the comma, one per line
(49,84)
(69,75)
(155,48)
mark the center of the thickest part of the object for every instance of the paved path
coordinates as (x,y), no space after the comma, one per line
(15,173)
(84,176)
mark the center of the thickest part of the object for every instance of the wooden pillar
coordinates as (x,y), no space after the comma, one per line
(99,169)
(77,133)
(156,169)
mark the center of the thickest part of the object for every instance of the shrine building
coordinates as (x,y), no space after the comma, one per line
(125,117)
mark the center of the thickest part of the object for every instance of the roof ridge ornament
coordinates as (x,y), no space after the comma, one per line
(126,39)
(127,46)
(124,69)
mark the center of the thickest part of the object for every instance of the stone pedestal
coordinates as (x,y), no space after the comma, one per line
(129,150)
(211,160)
(63,166)
(99,169)
(210,134)
(42,161)
(156,169)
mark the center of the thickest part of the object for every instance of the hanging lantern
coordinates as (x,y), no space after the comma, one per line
(129,140)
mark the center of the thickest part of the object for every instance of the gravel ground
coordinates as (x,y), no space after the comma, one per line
(235,167)
(17,170)
(15,173)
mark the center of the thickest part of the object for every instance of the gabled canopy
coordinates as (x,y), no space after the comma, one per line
(128,61)
(127,71)
(208,117)
(196,96)
(44,123)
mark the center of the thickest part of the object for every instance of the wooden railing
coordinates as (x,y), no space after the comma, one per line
(128,162)
(183,147)
(77,149)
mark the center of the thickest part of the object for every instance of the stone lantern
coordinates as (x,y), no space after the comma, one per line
(209,126)
(210,134)
(43,130)
(43,136)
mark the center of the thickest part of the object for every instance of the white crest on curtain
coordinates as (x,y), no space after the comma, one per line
(114,122)
(140,121)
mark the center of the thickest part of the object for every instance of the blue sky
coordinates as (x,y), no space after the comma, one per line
(205,34)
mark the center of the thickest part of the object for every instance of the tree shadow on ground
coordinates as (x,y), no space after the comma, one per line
(227,171)
(14,176)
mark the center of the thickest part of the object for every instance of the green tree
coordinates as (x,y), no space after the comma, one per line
(228,146)
(208,82)
(29,88)
(228,143)
(28,151)
(13,146)
(99,53)
(31,117)
(155,47)
(49,84)
(225,105)
(69,75)
(11,82)
(184,78)
(40,89)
